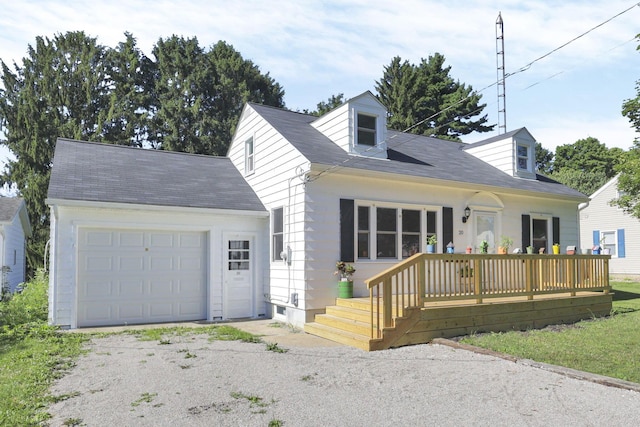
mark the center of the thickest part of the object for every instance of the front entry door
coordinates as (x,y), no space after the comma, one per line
(238,278)
(486,229)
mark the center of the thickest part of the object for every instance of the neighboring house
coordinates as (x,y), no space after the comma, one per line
(610,228)
(321,189)
(14,229)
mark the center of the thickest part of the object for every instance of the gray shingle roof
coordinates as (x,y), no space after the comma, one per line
(9,207)
(409,154)
(112,173)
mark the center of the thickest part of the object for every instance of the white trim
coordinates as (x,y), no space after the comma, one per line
(155,208)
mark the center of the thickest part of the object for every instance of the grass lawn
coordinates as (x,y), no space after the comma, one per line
(606,346)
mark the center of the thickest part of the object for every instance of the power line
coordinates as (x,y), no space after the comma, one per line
(520,70)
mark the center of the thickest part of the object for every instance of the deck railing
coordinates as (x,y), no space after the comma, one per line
(446,277)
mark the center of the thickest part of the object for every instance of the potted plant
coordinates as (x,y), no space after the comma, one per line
(345,286)
(432,241)
(505,244)
(469,249)
(484,247)
(556,248)
(529,249)
(450,248)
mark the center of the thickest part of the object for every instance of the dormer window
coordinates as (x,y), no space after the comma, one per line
(523,157)
(366,130)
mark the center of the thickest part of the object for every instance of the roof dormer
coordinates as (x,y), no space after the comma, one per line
(512,152)
(359,126)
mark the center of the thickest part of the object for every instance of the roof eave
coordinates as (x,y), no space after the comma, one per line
(156,208)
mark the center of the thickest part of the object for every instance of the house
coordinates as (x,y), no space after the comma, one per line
(609,227)
(14,229)
(295,194)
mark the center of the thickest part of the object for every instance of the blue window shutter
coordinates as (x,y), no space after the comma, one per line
(596,237)
(621,253)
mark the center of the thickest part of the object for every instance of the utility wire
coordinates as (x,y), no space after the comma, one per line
(518,71)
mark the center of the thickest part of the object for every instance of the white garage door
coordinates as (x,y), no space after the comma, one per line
(128,276)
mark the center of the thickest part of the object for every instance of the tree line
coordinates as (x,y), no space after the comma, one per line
(184,97)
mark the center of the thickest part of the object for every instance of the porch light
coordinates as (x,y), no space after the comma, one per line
(467,214)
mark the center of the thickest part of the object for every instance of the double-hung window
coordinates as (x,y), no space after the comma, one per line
(609,241)
(366,130)
(248,156)
(277,233)
(387,232)
(410,232)
(523,157)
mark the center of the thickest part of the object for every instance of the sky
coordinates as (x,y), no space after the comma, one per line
(315,49)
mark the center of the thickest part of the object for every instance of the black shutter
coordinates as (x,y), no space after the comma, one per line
(347,244)
(556,230)
(447,227)
(526,232)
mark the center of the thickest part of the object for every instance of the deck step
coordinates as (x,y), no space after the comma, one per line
(349,313)
(343,337)
(344,324)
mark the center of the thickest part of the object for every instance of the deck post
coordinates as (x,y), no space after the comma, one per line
(387,303)
(571,273)
(422,282)
(528,265)
(477,280)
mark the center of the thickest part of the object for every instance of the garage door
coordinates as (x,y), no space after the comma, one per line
(128,277)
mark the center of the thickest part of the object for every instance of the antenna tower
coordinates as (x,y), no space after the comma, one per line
(502,105)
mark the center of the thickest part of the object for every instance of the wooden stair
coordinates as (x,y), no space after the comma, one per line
(348,322)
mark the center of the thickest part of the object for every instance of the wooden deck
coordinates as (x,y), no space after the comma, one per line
(427,297)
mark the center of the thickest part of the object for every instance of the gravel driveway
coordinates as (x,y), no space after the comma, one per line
(191,381)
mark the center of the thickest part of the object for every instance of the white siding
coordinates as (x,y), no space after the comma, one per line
(14,252)
(498,154)
(599,215)
(278,182)
(323,234)
(64,235)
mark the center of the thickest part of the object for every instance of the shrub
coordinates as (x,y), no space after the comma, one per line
(27,307)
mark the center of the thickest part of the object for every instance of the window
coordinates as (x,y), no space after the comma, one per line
(238,255)
(387,230)
(608,242)
(540,234)
(248,156)
(277,235)
(363,232)
(366,130)
(523,157)
(410,232)
(392,233)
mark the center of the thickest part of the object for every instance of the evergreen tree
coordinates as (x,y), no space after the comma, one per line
(424,99)
(59,91)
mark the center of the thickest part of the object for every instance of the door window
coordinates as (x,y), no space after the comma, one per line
(238,255)
(486,228)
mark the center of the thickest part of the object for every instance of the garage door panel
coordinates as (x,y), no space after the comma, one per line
(131,288)
(190,241)
(161,240)
(97,289)
(189,263)
(159,263)
(132,264)
(133,277)
(130,313)
(98,263)
(100,239)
